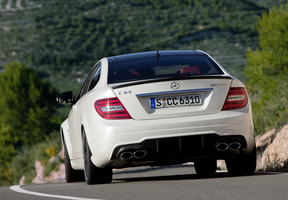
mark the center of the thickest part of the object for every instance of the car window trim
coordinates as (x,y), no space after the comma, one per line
(98,67)
(91,74)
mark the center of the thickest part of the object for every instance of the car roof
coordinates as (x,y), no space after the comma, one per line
(132,56)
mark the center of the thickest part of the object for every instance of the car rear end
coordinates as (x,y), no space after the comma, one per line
(172,107)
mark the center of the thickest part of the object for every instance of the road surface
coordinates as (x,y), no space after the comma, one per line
(170,182)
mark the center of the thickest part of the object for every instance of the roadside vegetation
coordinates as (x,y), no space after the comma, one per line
(27,120)
(267,71)
(50,46)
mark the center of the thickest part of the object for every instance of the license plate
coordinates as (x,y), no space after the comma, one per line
(163,102)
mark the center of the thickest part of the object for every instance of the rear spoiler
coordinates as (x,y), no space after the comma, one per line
(169,79)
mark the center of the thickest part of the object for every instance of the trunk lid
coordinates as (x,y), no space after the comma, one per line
(177,98)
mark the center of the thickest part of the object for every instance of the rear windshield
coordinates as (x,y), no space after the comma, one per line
(169,66)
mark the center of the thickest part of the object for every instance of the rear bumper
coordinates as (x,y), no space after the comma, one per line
(185,138)
(177,150)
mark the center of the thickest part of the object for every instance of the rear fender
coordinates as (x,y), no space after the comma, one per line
(64,130)
(84,126)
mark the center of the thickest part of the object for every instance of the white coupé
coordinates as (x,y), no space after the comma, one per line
(157,108)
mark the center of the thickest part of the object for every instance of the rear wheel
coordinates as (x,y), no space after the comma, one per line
(243,164)
(71,174)
(205,166)
(94,174)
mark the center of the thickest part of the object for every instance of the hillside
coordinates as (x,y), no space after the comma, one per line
(62,39)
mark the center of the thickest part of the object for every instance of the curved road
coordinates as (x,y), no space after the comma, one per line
(172,182)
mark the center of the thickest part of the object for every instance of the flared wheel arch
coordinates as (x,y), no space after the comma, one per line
(71,174)
(92,173)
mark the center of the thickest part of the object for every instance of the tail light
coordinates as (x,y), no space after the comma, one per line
(111,108)
(237,98)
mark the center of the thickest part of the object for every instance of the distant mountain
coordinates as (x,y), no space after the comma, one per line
(63,39)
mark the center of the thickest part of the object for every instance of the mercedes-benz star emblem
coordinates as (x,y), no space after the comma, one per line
(175,85)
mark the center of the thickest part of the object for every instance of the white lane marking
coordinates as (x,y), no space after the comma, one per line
(221,171)
(17,188)
(256,172)
(270,172)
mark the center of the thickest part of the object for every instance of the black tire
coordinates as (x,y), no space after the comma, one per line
(244,164)
(205,166)
(94,174)
(71,174)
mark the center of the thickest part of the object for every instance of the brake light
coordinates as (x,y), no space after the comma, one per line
(111,108)
(237,98)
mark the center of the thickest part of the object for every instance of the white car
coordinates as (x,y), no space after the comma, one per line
(157,108)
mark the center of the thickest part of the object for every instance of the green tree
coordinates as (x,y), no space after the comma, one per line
(267,71)
(26,112)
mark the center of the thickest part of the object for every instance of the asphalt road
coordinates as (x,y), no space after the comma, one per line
(172,182)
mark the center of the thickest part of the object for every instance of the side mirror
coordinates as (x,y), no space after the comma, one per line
(65,98)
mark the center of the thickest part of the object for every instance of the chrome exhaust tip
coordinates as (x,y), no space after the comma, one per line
(234,146)
(140,154)
(222,147)
(126,155)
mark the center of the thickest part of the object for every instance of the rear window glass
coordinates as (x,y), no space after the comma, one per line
(169,66)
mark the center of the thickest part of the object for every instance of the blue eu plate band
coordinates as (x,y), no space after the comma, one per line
(152,102)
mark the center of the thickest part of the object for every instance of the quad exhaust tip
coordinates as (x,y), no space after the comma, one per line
(140,154)
(222,146)
(127,155)
(234,146)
